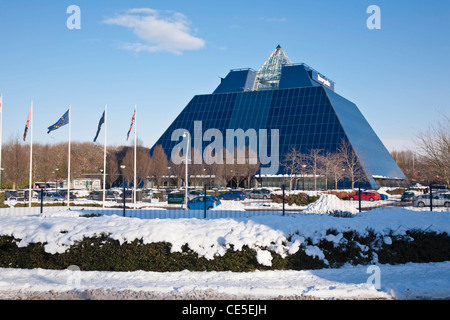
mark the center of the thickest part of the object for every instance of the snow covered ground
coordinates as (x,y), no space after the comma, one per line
(60,228)
(409,281)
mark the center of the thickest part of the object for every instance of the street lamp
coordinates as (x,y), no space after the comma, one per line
(1,178)
(56,179)
(186,135)
(303,175)
(123,182)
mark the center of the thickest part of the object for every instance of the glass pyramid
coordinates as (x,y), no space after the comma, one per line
(268,76)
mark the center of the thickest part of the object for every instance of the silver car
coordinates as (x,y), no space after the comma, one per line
(194,193)
(438,200)
(258,194)
(52,196)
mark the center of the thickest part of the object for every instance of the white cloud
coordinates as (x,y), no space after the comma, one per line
(158,31)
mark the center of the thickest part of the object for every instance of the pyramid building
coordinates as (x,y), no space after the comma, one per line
(279,107)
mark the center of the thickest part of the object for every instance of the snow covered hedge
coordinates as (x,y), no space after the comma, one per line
(301,241)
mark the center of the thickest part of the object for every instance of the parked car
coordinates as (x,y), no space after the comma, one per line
(232,195)
(20,195)
(258,194)
(98,195)
(365,195)
(198,203)
(13,195)
(194,193)
(438,200)
(384,196)
(64,194)
(52,196)
(408,196)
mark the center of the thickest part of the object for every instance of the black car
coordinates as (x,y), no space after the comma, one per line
(98,195)
(408,196)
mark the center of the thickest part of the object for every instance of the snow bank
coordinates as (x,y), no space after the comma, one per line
(407,281)
(329,204)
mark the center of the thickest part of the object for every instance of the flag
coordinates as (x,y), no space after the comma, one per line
(132,122)
(61,122)
(27,125)
(102,121)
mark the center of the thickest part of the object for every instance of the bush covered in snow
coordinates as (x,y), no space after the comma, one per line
(299,199)
(333,250)
(296,241)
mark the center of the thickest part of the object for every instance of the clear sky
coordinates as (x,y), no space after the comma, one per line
(159,54)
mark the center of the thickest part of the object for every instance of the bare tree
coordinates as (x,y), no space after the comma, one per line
(252,165)
(45,167)
(143,165)
(15,162)
(353,169)
(159,165)
(293,162)
(313,158)
(434,144)
(112,166)
(325,166)
(86,159)
(408,162)
(210,168)
(228,170)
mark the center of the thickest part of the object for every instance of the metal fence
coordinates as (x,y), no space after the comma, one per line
(162,208)
(138,213)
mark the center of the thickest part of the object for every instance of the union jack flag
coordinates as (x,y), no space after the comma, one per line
(132,123)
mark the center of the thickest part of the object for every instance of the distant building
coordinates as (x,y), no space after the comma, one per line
(85,183)
(294,101)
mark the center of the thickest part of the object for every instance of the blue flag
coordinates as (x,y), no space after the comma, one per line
(61,122)
(102,121)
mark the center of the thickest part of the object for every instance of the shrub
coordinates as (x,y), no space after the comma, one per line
(106,254)
(300,199)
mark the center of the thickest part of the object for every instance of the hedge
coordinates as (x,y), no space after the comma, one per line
(105,254)
(300,199)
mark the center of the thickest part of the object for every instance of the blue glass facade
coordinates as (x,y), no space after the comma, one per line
(307,116)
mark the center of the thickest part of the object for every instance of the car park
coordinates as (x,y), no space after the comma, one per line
(232,195)
(198,203)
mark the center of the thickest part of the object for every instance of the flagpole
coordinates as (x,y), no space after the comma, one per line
(104,161)
(68,169)
(1,129)
(31,156)
(135,139)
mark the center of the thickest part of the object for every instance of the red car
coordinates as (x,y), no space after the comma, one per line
(365,195)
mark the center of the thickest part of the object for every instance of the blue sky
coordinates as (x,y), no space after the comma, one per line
(159,54)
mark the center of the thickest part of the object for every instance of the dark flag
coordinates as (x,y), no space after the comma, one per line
(102,121)
(61,122)
(27,125)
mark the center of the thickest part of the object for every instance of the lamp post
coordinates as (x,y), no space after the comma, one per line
(1,178)
(186,135)
(303,175)
(56,179)
(123,182)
